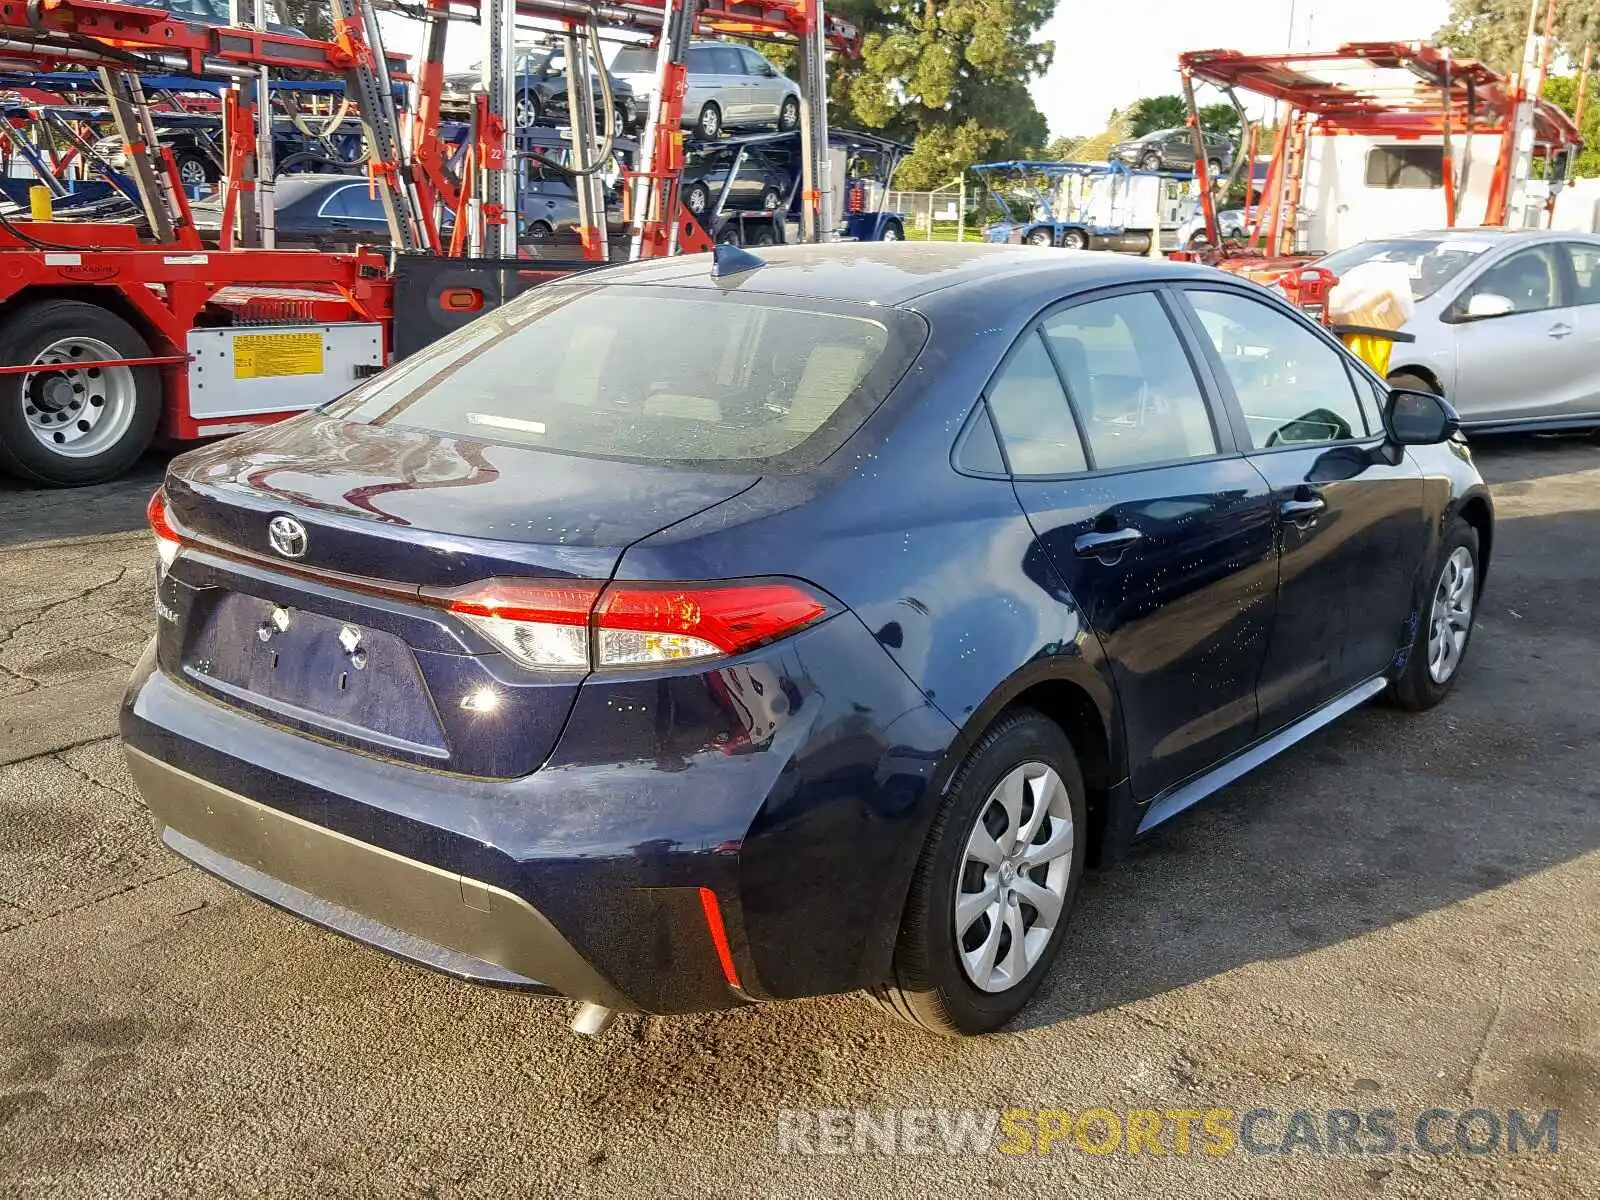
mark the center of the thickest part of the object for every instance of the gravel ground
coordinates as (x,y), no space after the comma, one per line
(1402,913)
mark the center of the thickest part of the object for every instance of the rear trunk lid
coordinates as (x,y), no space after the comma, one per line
(322,627)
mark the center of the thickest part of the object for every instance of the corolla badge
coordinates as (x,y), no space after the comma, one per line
(288,536)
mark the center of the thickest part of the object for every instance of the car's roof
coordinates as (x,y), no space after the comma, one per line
(899,272)
(1479,232)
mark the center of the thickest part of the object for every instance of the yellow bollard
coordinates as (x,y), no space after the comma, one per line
(39,205)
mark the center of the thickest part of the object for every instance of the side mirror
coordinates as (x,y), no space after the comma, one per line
(1487,304)
(1419,418)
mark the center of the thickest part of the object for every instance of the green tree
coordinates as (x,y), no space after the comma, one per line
(1494,30)
(1563,90)
(1156,112)
(1220,118)
(952,77)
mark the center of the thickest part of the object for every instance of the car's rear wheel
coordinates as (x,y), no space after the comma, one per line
(709,123)
(697,198)
(1151,161)
(1449,609)
(997,879)
(770,199)
(70,425)
(1214,169)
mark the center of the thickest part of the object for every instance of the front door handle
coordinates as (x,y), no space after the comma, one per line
(1107,547)
(1560,330)
(1303,508)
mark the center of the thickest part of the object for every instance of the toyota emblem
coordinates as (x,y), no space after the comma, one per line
(288,536)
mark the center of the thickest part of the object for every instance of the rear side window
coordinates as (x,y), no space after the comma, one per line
(1131,382)
(699,62)
(654,374)
(1031,411)
(1405,167)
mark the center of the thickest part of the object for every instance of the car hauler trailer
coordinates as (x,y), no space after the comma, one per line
(1380,138)
(112,332)
(1085,206)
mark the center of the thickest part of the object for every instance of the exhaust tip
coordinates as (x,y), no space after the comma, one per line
(592,1020)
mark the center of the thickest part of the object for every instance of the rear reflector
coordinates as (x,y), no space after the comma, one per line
(168,542)
(719,935)
(577,625)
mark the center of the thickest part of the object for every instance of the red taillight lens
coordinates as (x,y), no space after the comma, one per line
(168,541)
(577,625)
(648,623)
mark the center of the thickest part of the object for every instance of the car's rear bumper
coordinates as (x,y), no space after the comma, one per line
(788,788)
(441,918)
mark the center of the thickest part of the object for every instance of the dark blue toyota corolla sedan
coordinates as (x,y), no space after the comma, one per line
(674,642)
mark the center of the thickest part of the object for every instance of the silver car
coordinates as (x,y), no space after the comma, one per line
(730,87)
(1507,323)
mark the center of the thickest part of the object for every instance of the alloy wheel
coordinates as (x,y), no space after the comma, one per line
(1451,620)
(1012,885)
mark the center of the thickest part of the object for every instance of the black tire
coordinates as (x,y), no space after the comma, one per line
(697,198)
(541,232)
(789,115)
(893,231)
(709,123)
(729,236)
(1041,237)
(764,237)
(526,113)
(24,334)
(930,987)
(771,199)
(1214,169)
(1075,239)
(1415,688)
(1152,162)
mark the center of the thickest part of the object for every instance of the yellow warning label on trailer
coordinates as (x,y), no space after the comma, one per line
(265,355)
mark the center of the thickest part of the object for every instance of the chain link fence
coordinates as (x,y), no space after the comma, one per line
(940,215)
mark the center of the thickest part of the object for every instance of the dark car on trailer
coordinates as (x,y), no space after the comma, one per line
(581,651)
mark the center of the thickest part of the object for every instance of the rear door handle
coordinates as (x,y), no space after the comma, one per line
(1560,329)
(1107,547)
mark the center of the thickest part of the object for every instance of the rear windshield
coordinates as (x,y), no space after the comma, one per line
(716,380)
(634,60)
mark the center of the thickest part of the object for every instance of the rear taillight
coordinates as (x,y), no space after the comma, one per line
(582,626)
(168,542)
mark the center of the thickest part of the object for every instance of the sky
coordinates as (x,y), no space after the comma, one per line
(1133,46)
(1133,55)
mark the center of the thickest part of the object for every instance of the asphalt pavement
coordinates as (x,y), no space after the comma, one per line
(1401,914)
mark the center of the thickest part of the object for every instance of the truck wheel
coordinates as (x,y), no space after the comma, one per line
(893,233)
(1075,239)
(66,426)
(1041,237)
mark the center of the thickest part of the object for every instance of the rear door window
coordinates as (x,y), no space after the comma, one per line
(1130,382)
(726,61)
(1585,259)
(739,382)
